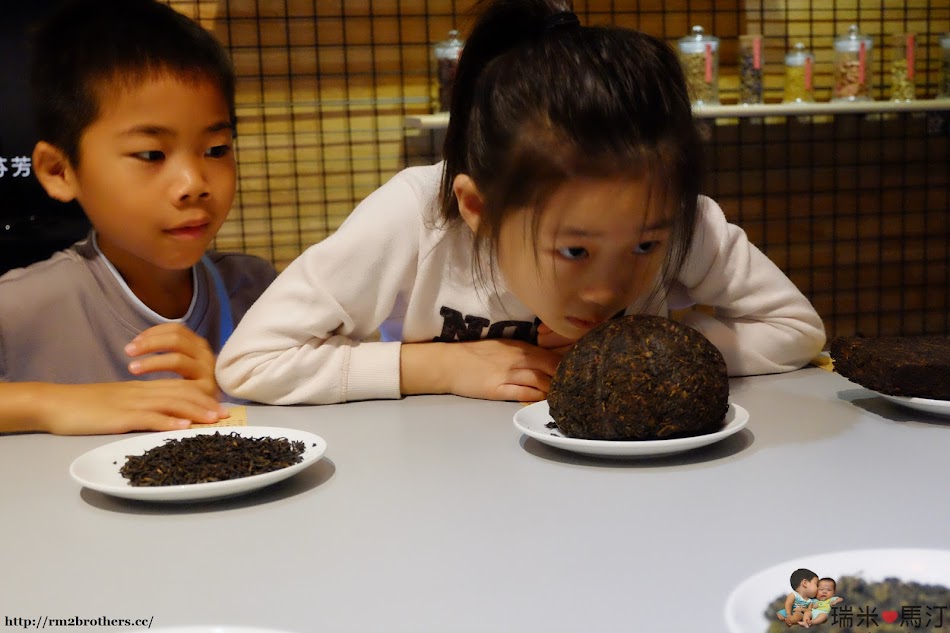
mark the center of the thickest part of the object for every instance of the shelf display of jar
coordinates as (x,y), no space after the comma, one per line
(751,63)
(799,75)
(852,66)
(447,54)
(699,54)
(902,67)
(943,89)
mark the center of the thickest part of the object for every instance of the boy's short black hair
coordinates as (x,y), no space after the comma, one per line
(85,46)
(801,575)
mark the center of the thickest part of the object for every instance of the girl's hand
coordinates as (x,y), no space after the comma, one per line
(176,349)
(549,339)
(120,407)
(491,369)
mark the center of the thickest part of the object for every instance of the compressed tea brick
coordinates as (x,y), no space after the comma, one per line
(640,378)
(911,366)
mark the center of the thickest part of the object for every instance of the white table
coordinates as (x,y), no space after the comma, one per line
(433,514)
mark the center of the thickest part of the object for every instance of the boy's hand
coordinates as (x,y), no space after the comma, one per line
(177,349)
(549,339)
(119,407)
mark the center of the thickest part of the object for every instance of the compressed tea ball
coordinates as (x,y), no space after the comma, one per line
(640,378)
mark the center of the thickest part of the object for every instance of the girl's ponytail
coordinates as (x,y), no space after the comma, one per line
(502,26)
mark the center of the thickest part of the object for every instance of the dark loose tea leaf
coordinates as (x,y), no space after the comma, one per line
(210,457)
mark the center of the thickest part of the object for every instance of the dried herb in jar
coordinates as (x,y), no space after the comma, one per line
(750,69)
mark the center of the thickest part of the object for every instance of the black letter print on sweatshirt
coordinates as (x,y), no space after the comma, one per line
(456,327)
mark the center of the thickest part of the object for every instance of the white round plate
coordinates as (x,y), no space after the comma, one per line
(935,407)
(99,468)
(745,607)
(533,419)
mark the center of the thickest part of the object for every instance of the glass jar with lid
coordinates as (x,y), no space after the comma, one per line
(750,69)
(903,54)
(447,54)
(943,88)
(799,65)
(699,54)
(852,66)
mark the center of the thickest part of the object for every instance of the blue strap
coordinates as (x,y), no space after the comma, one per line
(225,322)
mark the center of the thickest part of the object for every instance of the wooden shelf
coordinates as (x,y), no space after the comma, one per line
(440,120)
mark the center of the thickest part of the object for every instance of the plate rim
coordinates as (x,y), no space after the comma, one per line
(932,406)
(206,490)
(735,598)
(616,448)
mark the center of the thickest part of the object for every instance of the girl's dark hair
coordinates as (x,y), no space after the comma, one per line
(538,100)
(85,47)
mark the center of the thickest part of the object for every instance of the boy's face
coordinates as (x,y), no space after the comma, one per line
(826,589)
(600,246)
(810,587)
(156,172)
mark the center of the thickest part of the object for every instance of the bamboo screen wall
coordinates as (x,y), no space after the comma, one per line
(854,208)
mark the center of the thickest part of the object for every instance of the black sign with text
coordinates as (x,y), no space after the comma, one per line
(32,226)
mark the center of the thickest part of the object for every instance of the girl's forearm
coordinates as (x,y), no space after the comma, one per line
(422,369)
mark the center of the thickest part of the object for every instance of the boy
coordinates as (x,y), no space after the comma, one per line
(134,105)
(804,588)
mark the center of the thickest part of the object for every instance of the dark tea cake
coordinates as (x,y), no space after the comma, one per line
(911,366)
(640,378)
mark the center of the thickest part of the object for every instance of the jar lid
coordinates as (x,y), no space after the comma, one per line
(697,40)
(451,47)
(798,55)
(851,41)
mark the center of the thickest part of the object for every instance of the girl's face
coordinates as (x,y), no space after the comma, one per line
(600,245)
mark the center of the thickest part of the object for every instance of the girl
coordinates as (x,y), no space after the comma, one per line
(568,195)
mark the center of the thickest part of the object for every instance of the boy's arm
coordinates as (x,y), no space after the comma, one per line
(789,601)
(141,405)
(836,600)
(762,322)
